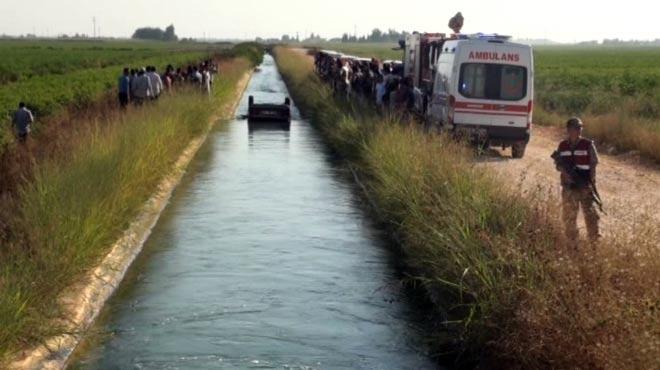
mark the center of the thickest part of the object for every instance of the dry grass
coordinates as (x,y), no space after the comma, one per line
(515,292)
(619,131)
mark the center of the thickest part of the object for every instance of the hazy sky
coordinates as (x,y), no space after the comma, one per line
(560,20)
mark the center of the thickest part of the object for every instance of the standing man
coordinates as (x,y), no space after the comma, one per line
(142,87)
(381,89)
(346,74)
(22,121)
(132,81)
(124,88)
(196,76)
(156,82)
(576,160)
(206,81)
(404,98)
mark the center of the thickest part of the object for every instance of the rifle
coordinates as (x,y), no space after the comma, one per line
(578,181)
(596,196)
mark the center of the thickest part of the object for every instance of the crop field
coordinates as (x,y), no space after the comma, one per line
(615,89)
(599,80)
(50,75)
(20,60)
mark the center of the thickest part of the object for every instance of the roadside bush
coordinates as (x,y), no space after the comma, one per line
(252,51)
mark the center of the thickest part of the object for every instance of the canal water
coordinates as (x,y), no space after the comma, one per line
(263,259)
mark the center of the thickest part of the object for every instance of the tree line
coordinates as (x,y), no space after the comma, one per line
(155,33)
(376,35)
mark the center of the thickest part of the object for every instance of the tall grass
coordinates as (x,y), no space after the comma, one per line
(619,131)
(515,293)
(78,203)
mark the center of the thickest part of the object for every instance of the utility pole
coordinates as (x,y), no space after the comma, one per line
(94,22)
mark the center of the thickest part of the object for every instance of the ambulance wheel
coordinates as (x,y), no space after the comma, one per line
(518,150)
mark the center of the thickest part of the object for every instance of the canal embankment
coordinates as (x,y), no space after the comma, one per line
(83,218)
(493,258)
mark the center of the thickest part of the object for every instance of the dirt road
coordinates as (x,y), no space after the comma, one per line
(629,188)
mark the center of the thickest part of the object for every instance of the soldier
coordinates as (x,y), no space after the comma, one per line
(577,159)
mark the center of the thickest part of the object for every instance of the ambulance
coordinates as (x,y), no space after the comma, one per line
(478,85)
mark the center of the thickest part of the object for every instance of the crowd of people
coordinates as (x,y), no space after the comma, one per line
(145,84)
(137,86)
(380,82)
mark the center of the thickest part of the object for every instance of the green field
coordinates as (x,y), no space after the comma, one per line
(50,75)
(24,59)
(615,90)
(598,80)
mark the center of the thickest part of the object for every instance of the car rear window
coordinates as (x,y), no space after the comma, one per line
(493,81)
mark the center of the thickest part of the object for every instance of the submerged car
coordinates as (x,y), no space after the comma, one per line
(276,113)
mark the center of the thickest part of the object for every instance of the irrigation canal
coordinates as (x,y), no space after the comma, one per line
(263,259)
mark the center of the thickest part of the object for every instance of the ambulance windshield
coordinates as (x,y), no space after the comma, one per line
(493,81)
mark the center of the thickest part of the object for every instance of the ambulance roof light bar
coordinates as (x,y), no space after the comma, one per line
(491,36)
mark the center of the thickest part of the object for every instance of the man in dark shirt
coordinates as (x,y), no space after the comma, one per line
(124,88)
(22,122)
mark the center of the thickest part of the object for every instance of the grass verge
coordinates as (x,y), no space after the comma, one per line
(69,214)
(513,290)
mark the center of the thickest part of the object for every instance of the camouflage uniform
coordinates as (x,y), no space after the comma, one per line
(578,194)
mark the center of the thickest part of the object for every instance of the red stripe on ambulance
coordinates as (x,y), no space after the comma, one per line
(492,107)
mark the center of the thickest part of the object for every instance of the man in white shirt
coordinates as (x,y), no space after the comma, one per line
(196,76)
(143,87)
(206,81)
(156,82)
(345,74)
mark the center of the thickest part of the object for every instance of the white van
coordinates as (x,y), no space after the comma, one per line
(485,87)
